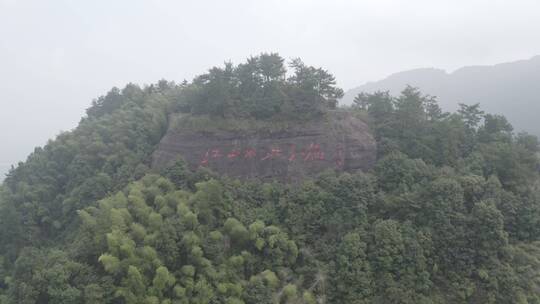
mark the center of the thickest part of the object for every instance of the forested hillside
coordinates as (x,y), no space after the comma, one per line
(450,213)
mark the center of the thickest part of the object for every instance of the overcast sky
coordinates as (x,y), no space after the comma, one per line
(56,56)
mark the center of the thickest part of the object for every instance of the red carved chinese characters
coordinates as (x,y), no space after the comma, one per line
(273,153)
(204,159)
(211,153)
(234,154)
(314,152)
(215,153)
(250,153)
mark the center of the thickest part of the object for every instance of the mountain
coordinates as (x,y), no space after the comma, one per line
(508,88)
(244,186)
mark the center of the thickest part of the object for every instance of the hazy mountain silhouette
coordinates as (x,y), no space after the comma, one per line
(512,89)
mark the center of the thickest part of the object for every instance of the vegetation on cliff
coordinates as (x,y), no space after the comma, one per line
(449,214)
(261,88)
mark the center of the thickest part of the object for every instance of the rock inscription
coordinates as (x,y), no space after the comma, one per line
(340,142)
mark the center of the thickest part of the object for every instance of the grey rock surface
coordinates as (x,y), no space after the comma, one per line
(339,141)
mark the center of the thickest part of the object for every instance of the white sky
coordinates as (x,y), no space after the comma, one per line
(56,56)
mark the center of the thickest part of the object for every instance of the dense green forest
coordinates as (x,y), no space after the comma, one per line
(449,214)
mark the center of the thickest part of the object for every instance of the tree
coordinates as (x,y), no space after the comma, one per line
(380,108)
(471,115)
(317,82)
(271,67)
(353,277)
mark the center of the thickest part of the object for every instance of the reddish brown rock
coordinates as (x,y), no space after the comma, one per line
(338,141)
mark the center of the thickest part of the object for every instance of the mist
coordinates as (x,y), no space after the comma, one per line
(57,56)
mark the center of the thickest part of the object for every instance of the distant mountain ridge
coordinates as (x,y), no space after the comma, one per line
(512,89)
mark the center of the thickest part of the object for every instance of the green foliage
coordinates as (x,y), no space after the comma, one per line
(450,213)
(102,155)
(353,278)
(190,262)
(260,88)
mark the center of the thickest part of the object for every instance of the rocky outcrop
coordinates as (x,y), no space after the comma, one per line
(338,141)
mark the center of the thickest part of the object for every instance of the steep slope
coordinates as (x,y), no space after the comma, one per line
(509,88)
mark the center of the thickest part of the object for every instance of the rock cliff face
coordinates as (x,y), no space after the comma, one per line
(339,141)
